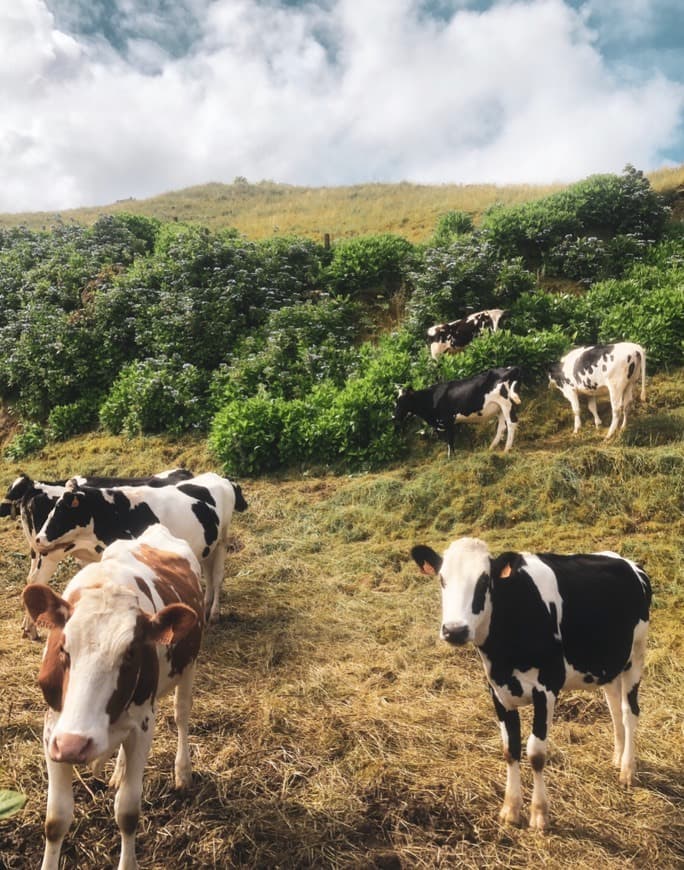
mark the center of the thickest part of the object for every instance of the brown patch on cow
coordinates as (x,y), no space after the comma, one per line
(54,830)
(133,668)
(148,678)
(537,762)
(145,589)
(128,823)
(53,674)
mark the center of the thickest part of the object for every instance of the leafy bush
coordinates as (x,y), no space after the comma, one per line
(156,395)
(451,224)
(370,265)
(64,421)
(29,440)
(245,434)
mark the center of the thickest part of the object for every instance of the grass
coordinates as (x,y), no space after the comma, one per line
(268,209)
(331,728)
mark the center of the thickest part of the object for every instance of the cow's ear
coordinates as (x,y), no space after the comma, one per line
(171,624)
(427,560)
(506,565)
(45,607)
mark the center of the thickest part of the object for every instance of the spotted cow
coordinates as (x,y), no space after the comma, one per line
(198,511)
(541,623)
(33,500)
(455,336)
(492,393)
(601,370)
(126,631)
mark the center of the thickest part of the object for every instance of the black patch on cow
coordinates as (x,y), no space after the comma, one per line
(554,617)
(240,503)
(201,493)
(511,720)
(480,594)
(504,392)
(633,698)
(588,678)
(630,370)
(603,600)
(590,359)
(540,719)
(209,521)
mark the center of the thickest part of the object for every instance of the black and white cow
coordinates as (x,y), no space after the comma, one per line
(490,394)
(600,370)
(541,623)
(126,631)
(453,337)
(198,510)
(33,500)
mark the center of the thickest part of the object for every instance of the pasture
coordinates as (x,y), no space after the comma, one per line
(331,728)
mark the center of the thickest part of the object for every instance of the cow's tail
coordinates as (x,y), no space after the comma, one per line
(643,375)
(514,377)
(512,393)
(240,503)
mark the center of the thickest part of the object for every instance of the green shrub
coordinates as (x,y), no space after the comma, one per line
(29,440)
(64,421)
(245,435)
(370,264)
(451,224)
(156,395)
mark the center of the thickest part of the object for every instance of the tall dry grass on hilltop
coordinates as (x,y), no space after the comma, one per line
(268,209)
(330,727)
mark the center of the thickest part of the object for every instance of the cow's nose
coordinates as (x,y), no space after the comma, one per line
(71,748)
(454,632)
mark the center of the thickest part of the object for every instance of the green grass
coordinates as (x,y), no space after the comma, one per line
(268,209)
(330,727)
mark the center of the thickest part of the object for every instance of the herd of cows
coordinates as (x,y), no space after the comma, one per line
(127,628)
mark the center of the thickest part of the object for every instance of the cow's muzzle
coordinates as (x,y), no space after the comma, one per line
(72,748)
(455,633)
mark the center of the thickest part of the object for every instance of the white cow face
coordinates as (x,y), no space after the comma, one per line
(464,573)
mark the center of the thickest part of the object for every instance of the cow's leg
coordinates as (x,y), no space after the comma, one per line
(119,769)
(182,705)
(544,703)
(60,804)
(213,567)
(616,406)
(613,693)
(500,427)
(630,703)
(591,404)
(573,398)
(628,398)
(509,723)
(127,801)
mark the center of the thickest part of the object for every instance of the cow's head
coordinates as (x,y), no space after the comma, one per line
(403,405)
(99,659)
(9,506)
(464,573)
(73,511)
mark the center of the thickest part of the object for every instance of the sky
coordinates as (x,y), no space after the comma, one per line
(102,100)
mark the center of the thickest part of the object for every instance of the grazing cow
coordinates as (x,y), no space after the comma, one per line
(453,337)
(604,369)
(34,500)
(198,510)
(543,622)
(126,631)
(490,394)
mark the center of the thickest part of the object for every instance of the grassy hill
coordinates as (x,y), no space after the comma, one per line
(266,208)
(331,728)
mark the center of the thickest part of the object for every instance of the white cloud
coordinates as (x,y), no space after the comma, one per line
(336,93)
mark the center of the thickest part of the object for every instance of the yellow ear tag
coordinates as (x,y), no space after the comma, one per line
(506,570)
(428,569)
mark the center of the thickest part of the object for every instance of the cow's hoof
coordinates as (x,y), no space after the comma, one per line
(539,820)
(510,814)
(627,778)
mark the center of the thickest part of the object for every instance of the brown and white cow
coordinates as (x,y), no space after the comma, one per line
(455,336)
(126,631)
(610,370)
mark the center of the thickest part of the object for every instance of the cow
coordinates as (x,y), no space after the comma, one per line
(491,393)
(455,336)
(602,369)
(126,631)
(33,500)
(198,510)
(541,623)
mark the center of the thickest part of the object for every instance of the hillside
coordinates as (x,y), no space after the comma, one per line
(330,727)
(266,209)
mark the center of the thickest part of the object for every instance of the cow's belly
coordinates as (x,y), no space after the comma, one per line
(491,409)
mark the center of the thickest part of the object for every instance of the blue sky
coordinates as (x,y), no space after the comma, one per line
(108,99)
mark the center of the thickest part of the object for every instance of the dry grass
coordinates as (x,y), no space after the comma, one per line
(266,209)
(331,728)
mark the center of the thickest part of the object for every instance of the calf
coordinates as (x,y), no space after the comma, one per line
(126,631)
(34,500)
(490,394)
(541,623)
(198,510)
(453,337)
(604,369)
